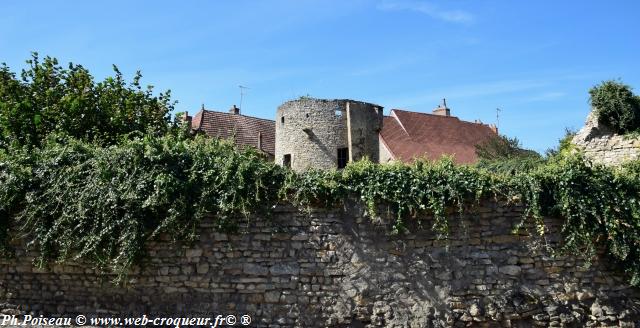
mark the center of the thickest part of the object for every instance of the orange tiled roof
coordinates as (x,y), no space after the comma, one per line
(408,135)
(244,130)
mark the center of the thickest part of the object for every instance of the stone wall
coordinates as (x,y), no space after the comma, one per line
(340,269)
(364,123)
(602,145)
(314,129)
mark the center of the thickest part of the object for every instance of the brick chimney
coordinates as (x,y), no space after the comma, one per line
(442,110)
(234,110)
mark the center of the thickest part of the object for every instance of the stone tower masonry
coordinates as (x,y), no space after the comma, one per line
(326,134)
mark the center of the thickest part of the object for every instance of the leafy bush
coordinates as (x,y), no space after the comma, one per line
(102,204)
(616,106)
(599,206)
(505,155)
(513,165)
(15,175)
(419,188)
(564,144)
(48,98)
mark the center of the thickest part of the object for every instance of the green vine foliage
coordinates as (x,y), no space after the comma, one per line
(102,204)
(73,199)
(15,177)
(422,187)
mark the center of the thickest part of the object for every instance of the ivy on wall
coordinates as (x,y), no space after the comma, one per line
(75,200)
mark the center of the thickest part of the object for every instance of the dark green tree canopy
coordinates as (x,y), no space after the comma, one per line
(504,154)
(501,147)
(616,106)
(47,98)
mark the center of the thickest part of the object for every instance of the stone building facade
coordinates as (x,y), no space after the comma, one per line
(340,268)
(603,146)
(326,134)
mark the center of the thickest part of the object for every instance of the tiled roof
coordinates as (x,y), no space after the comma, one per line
(243,130)
(408,135)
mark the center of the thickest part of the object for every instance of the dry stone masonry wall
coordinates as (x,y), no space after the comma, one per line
(310,131)
(364,122)
(339,268)
(601,145)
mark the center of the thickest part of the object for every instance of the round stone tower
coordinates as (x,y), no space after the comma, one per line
(326,134)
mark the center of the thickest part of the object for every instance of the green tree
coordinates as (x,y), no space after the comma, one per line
(48,98)
(500,147)
(504,154)
(564,144)
(616,106)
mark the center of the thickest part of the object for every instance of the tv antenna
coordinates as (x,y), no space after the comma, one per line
(498,110)
(242,88)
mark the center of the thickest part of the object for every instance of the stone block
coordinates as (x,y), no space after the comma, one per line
(291,268)
(255,269)
(511,270)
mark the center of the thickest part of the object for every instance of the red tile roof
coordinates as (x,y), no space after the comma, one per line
(244,130)
(408,135)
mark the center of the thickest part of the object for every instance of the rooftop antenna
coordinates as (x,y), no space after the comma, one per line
(498,110)
(242,88)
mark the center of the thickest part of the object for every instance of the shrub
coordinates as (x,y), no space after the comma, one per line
(15,177)
(505,155)
(102,204)
(616,106)
(599,205)
(47,98)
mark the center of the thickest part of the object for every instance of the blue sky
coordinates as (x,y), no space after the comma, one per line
(535,60)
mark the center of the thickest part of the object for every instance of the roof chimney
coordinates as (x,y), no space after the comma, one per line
(234,110)
(442,110)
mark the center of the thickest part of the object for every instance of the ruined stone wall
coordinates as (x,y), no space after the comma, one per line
(340,269)
(364,123)
(314,129)
(602,145)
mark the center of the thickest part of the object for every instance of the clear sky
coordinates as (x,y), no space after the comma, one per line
(535,60)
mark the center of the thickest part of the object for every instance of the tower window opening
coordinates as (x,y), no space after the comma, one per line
(343,157)
(338,113)
(282,120)
(286,160)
